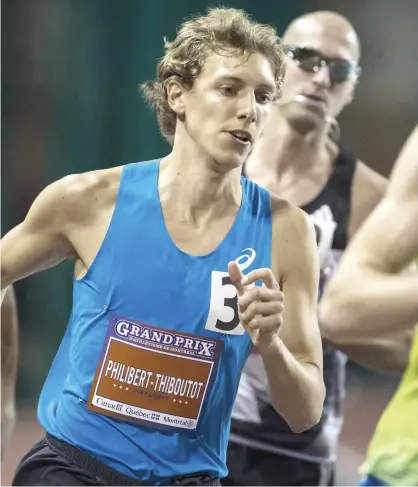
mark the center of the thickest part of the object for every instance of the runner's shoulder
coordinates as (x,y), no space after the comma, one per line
(78,196)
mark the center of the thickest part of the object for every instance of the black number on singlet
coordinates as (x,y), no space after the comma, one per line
(231,303)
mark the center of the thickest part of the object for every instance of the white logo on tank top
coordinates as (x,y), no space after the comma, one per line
(248,259)
(326,226)
(223,310)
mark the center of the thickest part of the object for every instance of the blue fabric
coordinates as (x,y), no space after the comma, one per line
(141,276)
(371,480)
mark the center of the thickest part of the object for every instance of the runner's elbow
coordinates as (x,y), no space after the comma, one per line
(306,421)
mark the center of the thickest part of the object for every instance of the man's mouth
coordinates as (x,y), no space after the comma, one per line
(242,136)
(312,99)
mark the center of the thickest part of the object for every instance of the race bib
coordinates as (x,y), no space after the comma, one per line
(152,375)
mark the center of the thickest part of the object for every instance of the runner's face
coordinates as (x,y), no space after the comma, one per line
(228,105)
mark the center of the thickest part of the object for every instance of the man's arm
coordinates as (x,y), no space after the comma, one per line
(9,356)
(391,352)
(59,225)
(40,241)
(294,365)
(367,190)
(37,243)
(369,298)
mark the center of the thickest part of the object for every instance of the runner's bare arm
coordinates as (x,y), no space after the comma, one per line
(367,191)
(295,369)
(9,358)
(68,219)
(40,241)
(390,353)
(368,296)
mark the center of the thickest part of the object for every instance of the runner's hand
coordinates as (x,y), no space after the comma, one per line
(260,308)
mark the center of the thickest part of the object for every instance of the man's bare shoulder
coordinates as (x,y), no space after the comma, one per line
(294,248)
(79,196)
(89,185)
(369,178)
(290,223)
(285,212)
(368,189)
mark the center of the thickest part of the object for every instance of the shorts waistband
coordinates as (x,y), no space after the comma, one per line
(113,477)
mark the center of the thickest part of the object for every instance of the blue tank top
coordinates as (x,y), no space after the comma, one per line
(147,372)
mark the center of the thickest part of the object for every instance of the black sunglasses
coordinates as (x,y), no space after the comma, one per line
(311,60)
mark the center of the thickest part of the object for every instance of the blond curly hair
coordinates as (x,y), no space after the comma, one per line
(226,31)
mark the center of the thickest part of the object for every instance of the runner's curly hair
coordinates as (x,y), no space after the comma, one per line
(225,31)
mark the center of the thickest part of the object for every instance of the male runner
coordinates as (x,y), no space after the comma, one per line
(297,159)
(143,384)
(370,301)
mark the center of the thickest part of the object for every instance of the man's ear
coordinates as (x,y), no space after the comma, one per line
(351,93)
(175,95)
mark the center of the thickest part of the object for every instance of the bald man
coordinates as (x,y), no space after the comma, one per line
(381,305)
(298,160)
